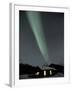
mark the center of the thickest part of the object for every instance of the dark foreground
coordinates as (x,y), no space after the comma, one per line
(27,71)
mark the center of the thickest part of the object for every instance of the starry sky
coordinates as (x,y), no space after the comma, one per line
(53,28)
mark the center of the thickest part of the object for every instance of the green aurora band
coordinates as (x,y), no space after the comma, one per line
(37,29)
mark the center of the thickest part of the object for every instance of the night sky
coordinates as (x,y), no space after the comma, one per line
(53,27)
